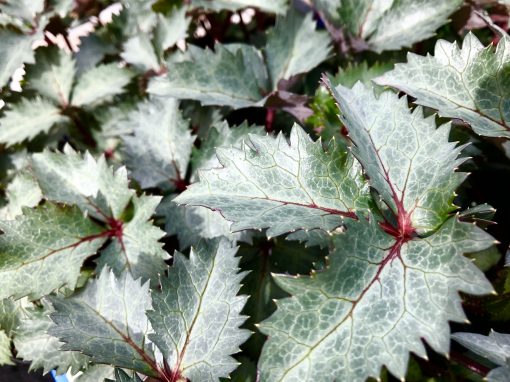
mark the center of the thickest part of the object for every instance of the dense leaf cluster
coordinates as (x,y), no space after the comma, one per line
(255,189)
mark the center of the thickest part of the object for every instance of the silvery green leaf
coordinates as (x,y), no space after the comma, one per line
(140,17)
(294,46)
(220,135)
(107,322)
(499,374)
(170,29)
(158,151)
(407,22)
(192,224)
(468,83)
(62,7)
(75,178)
(11,312)
(389,24)
(50,239)
(53,74)
(271,183)
(254,60)
(27,119)
(22,191)
(273,6)
(15,50)
(373,305)
(139,52)
(25,9)
(92,51)
(196,316)
(408,160)
(100,84)
(138,251)
(495,347)
(213,78)
(34,344)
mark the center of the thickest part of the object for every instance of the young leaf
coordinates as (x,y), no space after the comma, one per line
(213,78)
(137,250)
(158,151)
(49,239)
(409,162)
(275,6)
(377,299)
(15,50)
(294,47)
(107,322)
(73,178)
(53,74)
(99,84)
(325,112)
(28,118)
(196,315)
(33,344)
(5,349)
(469,83)
(270,183)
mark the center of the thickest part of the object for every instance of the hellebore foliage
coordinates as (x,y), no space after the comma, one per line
(255,190)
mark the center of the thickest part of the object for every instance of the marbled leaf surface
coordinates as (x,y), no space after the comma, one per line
(50,240)
(196,316)
(27,119)
(107,322)
(271,183)
(75,178)
(34,344)
(469,83)
(373,304)
(407,159)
